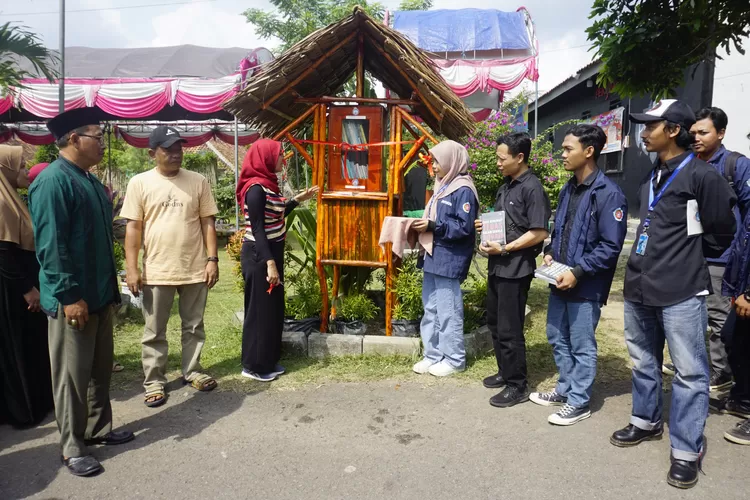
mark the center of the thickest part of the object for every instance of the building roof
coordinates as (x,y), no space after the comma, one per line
(583,74)
(388,56)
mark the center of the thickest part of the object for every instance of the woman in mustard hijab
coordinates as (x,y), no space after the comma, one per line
(25,381)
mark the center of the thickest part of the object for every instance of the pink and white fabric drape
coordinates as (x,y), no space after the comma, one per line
(466,76)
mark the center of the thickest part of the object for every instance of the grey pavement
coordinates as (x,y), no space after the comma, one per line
(416,438)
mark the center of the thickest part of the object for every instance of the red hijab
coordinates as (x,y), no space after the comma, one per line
(259,167)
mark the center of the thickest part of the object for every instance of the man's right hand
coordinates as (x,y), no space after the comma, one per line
(548,260)
(78,312)
(478,225)
(133,278)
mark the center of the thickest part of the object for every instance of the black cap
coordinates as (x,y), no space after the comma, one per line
(164,136)
(73,119)
(667,109)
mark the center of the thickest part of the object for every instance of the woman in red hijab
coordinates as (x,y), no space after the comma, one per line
(262,257)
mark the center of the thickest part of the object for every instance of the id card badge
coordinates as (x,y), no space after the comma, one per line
(640,249)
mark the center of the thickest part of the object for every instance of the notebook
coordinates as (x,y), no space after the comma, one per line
(551,272)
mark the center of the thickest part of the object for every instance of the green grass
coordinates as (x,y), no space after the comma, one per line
(221,354)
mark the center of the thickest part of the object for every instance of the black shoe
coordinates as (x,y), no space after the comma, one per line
(510,396)
(111,439)
(683,474)
(719,381)
(740,434)
(82,466)
(494,381)
(730,406)
(632,435)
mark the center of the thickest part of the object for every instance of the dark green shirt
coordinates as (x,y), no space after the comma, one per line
(72,217)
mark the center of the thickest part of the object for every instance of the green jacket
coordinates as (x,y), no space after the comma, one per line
(72,217)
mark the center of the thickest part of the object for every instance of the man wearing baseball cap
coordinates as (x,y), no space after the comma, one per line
(171,212)
(686,216)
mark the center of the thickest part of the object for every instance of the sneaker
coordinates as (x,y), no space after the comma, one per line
(443,369)
(510,396)
(495,381)
(278,370)
(740,434)
(260,377)
(423,366)
(730,406)
(719,381)
(668,369)
(569,415)
(548,398)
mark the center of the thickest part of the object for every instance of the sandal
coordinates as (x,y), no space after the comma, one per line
(202,382)
(155,396)
(117,367)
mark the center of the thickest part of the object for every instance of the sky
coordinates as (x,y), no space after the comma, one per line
(560,28)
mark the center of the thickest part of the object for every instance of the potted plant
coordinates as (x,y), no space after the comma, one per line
(408,289)
(353,312)
(303,308)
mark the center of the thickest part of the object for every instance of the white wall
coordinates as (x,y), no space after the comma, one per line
(732,94)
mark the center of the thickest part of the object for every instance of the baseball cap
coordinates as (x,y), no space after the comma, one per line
(672,110)
(164,136)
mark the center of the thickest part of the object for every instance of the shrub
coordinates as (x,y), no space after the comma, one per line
(408,290)
(306,301)
(234,245)
(475,306)
(356,307)
(119,255)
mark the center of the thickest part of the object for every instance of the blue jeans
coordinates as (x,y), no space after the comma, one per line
(684,326)
(571,329)
(442,327)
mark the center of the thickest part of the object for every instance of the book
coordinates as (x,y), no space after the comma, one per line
(551,272)
(493,228)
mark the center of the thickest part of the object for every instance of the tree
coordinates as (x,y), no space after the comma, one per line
(646,45)
(415,5)
(293,20)
(46,153)
(16,42)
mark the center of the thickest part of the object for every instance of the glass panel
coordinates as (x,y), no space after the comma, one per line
(355,164)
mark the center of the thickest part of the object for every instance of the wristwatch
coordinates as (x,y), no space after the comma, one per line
(747,295)
(213,259)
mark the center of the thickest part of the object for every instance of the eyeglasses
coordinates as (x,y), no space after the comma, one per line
(99,138)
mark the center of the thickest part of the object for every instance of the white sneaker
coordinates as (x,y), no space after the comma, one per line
(423,366)
(442,369)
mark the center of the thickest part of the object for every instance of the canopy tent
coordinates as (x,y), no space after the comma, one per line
(480,53)
(164,83)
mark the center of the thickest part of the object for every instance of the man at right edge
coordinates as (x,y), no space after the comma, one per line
(686,212)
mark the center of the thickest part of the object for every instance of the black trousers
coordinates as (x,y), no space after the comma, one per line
(264,312)
(736,336)
(506,314)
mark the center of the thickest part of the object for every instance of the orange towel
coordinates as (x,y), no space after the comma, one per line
(398,231)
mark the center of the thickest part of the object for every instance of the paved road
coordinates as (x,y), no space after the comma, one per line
(366,441)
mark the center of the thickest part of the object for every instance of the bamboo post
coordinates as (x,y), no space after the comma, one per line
(335,291)
(322,219)
(419,126)
(361,65)
(301,151)
(296,123)
(395,159)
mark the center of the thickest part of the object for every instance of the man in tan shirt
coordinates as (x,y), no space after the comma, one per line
(172,212)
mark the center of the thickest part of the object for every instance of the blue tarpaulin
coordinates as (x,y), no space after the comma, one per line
(463,30)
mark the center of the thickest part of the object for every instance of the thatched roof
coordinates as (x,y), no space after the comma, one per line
(450,118)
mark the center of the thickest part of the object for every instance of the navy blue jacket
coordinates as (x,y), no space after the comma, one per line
(741,181)
(596,238)
(737,274)
(454,235)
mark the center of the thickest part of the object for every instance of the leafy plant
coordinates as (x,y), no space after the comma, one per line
(224,195)
(475,306)
(306,301)
(234,245)
(356,307)
(46,153)
(302,228)
(119,254)
(16,42)
(408,290)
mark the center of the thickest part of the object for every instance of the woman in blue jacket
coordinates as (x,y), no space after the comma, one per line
(450,218)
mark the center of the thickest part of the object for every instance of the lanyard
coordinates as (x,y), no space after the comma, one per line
(653,200)
(435,197)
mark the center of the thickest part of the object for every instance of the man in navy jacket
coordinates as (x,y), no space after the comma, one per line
(588,236)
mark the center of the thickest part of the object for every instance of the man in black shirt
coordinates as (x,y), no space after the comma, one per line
(511,266)
(686,216)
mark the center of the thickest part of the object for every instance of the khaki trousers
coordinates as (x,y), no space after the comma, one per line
(157,306)
(81,362)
